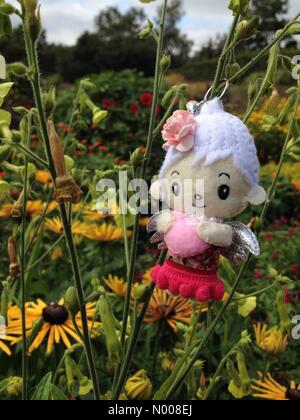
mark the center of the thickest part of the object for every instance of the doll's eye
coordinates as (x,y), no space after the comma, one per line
(198,197)
(176,189)
(224,192)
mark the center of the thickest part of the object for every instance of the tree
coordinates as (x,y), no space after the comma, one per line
(272,14)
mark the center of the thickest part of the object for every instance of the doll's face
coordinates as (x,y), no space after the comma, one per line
(224,193)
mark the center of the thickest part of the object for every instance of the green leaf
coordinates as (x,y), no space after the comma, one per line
(294,29)
(5,116)
(57,394)
(4,384)
(43,390)
(5,88)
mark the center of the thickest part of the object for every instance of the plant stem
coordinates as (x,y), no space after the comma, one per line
(264,52)
(131,348)
(45,254)
(144,171)
(217,374)
(23,286)
(36,87)
(222,60)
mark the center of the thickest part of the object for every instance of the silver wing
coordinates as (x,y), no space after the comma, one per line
(244,242)
(158,237)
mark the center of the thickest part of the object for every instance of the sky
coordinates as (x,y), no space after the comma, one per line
(65,20)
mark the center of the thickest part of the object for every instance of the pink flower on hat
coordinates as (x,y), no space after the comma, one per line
(179,131)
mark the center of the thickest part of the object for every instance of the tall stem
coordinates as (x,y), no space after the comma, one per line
(36,87)
(144,169)
(264,52)
(23,288)
(222,61)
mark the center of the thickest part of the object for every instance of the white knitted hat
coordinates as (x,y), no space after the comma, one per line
(220,135)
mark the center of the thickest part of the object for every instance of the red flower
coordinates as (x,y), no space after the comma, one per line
(275,256)
(2,174)
(107,103)
(134,108)
(259,275)
(291,232)
(78,152)
(294,269)
(288,296)
(102,148)
(146,99)
(268,236)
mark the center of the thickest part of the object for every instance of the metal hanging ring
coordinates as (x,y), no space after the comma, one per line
(222,94)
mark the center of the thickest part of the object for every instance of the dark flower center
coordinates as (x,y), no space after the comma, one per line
(165,311)
(293,395)
(55,314)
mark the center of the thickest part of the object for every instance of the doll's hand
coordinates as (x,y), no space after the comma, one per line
(216,234)
(164,222)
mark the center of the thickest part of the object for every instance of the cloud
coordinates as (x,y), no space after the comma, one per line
(65,20)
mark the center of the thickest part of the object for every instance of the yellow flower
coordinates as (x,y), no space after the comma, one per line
(43,177)
(33,209)
(102,233)
(5,348)
(171,309)
(139,386)
(146,277)
(55,225)
(270,340)
(117,285)
(268,389)
(57,326)
(56,253)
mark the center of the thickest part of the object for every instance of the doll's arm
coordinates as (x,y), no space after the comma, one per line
(216,234)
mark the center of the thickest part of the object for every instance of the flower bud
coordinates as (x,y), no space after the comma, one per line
(142,293)
(243,371)
(99,116)
(165,62)
(14,266)
(147,31)
(246,28)
(14,387)
(167,97)
(16,136)
(239,7)
(109,325)
(232,69)
(71,301)
(17,69)
(139,386)
(137,157)
(33,19)
(67,191)
(49,101)
(4,152)
(285,322)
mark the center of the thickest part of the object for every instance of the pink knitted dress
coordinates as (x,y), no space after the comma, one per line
(197,280)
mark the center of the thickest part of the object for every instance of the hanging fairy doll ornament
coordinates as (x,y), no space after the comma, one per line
(210,174)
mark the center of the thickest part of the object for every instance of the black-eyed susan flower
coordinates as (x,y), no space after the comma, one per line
(4,347)
(268,389)
(105,232)
(171,309)
(57,327)
(139,386)
(271,340)
(117,285)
